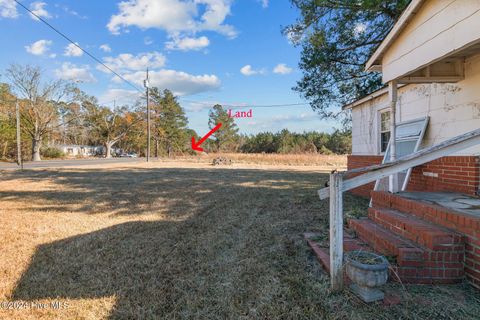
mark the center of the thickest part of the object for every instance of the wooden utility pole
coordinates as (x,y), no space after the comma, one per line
(147,87)
(19,143)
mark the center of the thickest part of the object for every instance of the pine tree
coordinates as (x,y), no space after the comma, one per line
(170,122)
(226,138)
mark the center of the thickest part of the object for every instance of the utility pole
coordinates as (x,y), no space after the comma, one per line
(146,83)
(19,144)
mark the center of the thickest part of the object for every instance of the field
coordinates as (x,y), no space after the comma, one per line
(309,159)
(182,240)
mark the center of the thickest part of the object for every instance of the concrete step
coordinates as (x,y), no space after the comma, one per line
(417,230)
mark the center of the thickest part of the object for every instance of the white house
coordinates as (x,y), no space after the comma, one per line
(430,63)
(430,222)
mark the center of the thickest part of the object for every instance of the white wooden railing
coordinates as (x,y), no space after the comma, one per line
(338,185)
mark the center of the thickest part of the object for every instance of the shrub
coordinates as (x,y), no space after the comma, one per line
(52,153)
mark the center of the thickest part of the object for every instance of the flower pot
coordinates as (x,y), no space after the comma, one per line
(368,271)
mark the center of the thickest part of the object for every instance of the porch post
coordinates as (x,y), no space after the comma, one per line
(393,94)
(336,231)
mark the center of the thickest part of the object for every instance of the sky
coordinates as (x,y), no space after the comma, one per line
(230,52)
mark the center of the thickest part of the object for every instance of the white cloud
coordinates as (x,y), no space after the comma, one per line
(128,62)
(181,83)
(199,106)
(186,44)
(294,38)
(173,16)
(300,122)
(8,9)
(360,28)
(119,97)
(70,11)
(249,71)
(39,47)
(264,3)
(73,51)
(105,47)
(71,72)
(196,106)
(282,68)
(38,8)
(290,118)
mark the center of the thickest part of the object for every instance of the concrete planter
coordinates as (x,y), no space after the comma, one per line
(368,271)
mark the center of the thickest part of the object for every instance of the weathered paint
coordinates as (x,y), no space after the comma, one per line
(440,28)
(453,109)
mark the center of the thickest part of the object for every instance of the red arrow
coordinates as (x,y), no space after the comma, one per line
(196,145)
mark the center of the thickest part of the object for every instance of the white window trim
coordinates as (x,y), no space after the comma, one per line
(379,129)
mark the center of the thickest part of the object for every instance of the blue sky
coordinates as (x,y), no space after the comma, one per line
(206,51)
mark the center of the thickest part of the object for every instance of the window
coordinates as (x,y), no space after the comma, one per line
(384,130)
(409,138)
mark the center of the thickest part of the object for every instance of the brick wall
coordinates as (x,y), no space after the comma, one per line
(456,174)
(353,162)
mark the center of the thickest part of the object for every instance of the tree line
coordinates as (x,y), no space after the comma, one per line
(54,113)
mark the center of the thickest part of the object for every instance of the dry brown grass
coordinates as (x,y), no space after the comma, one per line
(190,241)
(310,159)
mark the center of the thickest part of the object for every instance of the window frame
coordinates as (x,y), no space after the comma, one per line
(380,131)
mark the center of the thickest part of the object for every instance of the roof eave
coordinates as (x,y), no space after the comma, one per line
(375,61)
(371,96)
(367,98)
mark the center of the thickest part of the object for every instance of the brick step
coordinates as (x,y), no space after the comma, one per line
(350,243)
(419,231)
(386,242)
(414,263)
(434,213)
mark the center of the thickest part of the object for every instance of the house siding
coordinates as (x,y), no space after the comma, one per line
(438,29)
(453,109)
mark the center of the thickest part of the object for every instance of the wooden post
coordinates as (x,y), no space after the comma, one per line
(147,87)
(19,143)
(336,231)
(393,95)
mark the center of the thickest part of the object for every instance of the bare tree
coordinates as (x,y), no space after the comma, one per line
(109,126)
(40,100)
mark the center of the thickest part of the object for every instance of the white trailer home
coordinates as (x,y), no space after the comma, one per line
(80,150)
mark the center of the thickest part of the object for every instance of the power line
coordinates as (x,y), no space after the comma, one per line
(270,106)
(133,85)
(131,94)
(232,106)
(78,46)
